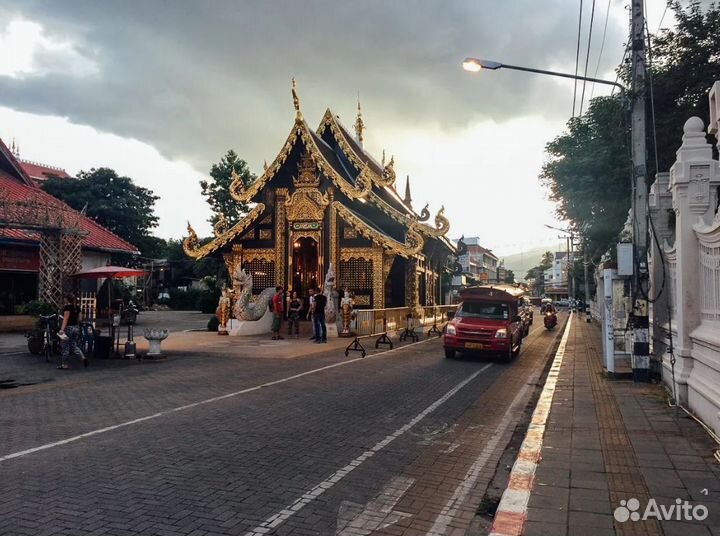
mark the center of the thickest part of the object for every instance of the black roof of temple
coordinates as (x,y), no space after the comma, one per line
(334,159)
(373,225)
(362,154)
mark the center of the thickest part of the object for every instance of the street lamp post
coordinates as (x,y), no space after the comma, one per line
(475,65)
(641,361)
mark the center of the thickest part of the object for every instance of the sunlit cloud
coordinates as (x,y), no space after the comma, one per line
(27,50)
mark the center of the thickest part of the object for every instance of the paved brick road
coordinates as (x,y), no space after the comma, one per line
(339,450)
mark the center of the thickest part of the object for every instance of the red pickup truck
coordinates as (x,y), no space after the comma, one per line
(487,320)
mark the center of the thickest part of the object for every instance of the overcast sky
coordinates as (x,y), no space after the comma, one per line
(160,90)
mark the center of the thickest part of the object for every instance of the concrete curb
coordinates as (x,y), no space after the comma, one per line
(512,511)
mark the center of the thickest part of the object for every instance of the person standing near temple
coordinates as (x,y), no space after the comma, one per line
(319,317)
(277,308)
(311,314)
(69,333)
(294,315)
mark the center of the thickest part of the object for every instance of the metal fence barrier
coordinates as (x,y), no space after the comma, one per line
(380,322)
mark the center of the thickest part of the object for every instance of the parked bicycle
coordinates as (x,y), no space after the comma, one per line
(43,340)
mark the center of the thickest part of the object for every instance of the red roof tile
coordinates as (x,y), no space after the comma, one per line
(97,237)
(41,172)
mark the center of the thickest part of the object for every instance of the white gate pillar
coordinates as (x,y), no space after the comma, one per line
(693,183)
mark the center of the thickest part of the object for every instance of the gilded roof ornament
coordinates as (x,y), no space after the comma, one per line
(389,172)
(265,166)
(191,243)
(192,247)
(359,125)
(296,100)
(425,213)
(221,225)
(442,224)
(408,198)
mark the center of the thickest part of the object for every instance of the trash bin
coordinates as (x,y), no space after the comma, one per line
(103,347)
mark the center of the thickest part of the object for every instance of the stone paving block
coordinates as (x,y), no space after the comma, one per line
(541,528)
(547,515)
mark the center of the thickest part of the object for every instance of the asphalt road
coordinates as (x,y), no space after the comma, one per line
(402,442)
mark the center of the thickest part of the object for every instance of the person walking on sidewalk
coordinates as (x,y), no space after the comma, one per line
(277,308)
(311,314)
(294,315)
(319,317)
(69,333)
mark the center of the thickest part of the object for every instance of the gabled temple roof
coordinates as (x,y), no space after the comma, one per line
(358,177)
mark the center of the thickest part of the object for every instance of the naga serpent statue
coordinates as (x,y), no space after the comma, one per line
(245,307)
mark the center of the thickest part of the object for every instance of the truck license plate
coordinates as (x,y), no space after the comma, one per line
(474,346)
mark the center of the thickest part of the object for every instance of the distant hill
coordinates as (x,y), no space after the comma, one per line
(521,262)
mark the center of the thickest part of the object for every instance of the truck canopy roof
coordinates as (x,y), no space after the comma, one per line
(492,293)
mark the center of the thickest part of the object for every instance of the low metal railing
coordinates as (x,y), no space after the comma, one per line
(381,323)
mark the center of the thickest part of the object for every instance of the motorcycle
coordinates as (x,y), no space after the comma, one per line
(550,320)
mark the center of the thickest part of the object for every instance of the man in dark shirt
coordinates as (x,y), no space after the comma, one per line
(319,317)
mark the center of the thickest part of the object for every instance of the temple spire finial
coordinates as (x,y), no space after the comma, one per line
(296,100)
(359,125)
(408,197)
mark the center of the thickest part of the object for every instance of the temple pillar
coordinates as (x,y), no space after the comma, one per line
(280,237)
(411,284)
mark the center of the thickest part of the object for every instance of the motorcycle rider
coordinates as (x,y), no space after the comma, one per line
(550,316)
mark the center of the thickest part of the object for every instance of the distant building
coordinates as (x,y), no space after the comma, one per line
(556,277)
(479,262)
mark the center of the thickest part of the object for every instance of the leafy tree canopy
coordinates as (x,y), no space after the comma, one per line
(588,171)
(113,201)
(217,189)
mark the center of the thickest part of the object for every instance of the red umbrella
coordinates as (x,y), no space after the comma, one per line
(110,272)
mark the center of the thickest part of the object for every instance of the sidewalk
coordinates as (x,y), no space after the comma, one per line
(605,443)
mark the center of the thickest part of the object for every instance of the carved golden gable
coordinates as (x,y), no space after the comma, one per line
(306,205)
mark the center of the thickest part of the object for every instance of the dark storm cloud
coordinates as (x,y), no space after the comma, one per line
(195,78)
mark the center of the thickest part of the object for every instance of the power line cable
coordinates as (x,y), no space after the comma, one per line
(667,5)
(587,55)
(577,57)
(602,48)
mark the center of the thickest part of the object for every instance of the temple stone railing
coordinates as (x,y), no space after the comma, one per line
(685,264)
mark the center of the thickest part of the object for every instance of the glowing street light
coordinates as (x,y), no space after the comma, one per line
(475,65)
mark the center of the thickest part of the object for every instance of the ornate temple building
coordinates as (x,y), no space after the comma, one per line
(325,200)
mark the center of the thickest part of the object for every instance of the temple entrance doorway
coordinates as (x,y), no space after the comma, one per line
(304,265)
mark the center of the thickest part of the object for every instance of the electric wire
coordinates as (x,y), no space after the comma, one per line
(602,48)
(587,55)
(662,18)
(577,57)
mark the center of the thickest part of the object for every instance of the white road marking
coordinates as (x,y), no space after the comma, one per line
(356,520)
(453,505)
(280,517)
(170,411)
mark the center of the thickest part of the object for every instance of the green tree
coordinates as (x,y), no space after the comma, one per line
(546,260)
(217,189)
(113,201)
(589,170)
(510,277)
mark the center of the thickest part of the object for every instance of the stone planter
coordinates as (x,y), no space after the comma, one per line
(154,338)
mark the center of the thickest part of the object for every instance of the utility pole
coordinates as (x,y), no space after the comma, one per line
(641,332)
(586,270)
